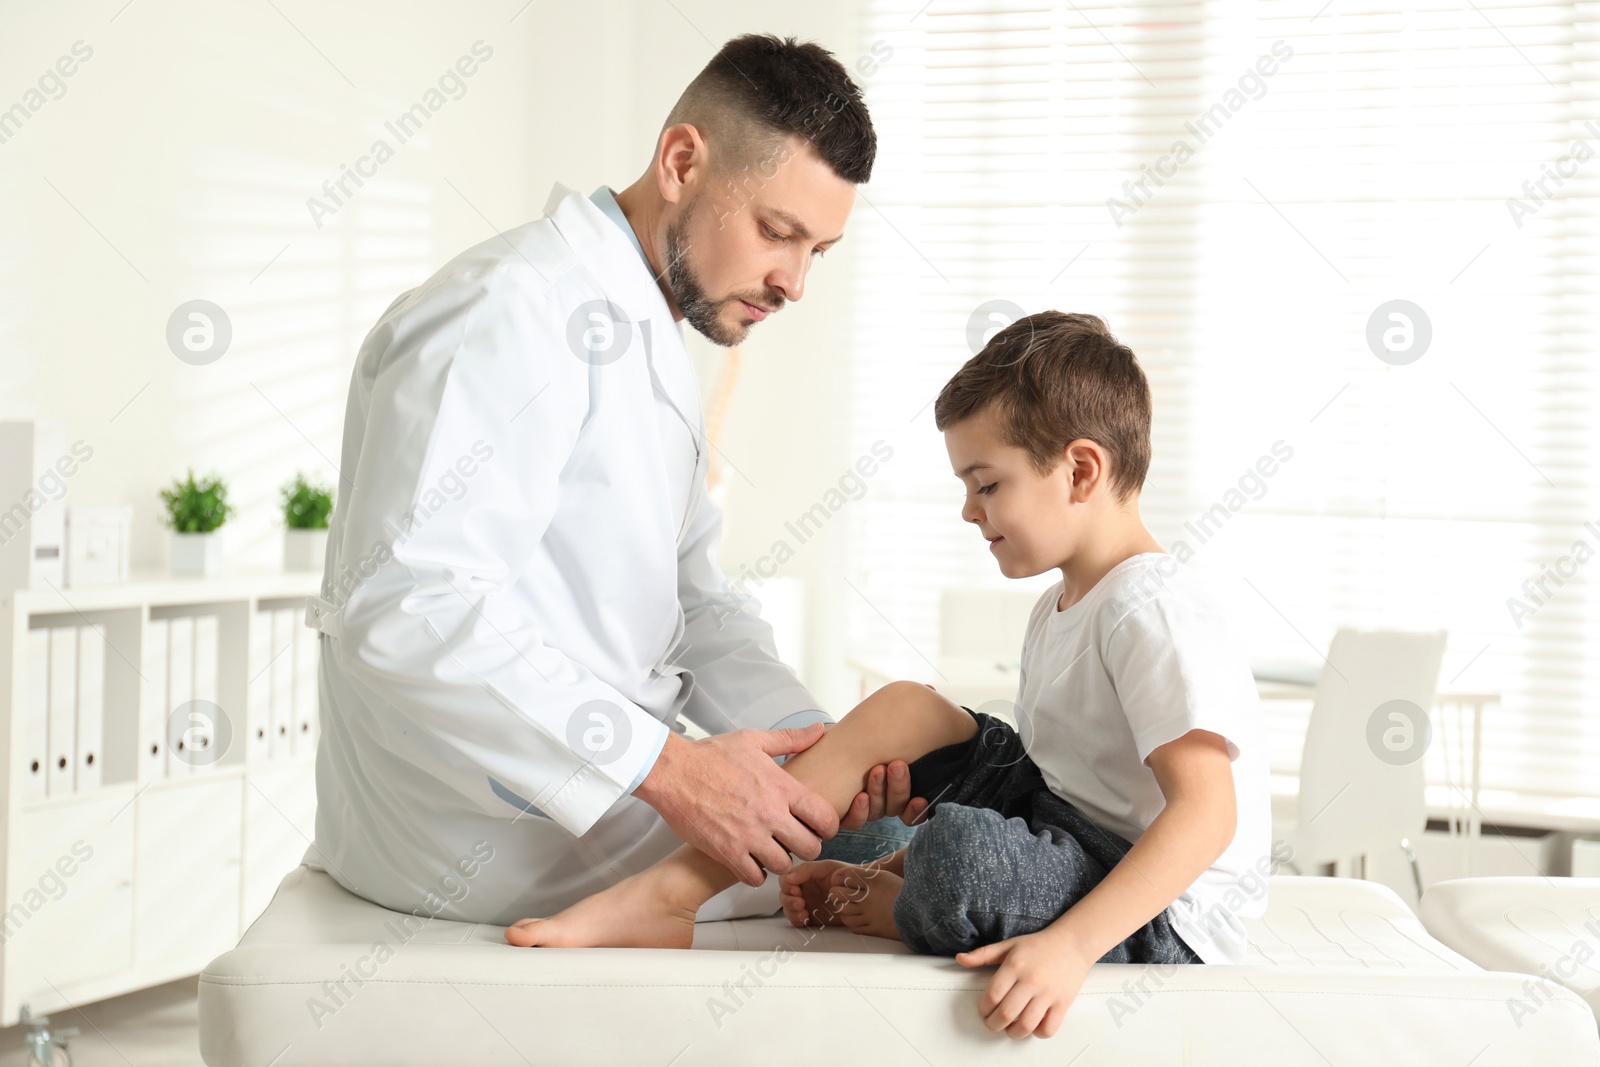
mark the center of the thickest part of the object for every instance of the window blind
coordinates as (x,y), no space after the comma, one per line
(1244,191)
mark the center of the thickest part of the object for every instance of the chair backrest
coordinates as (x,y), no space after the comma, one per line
(1361,772)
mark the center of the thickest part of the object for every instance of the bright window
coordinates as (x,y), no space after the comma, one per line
(1291,171)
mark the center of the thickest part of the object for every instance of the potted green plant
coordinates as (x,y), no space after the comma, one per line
(195,510)
(306,507)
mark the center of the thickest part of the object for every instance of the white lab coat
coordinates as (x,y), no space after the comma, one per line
(560,550)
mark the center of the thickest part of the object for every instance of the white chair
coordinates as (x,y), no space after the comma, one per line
(1361,770)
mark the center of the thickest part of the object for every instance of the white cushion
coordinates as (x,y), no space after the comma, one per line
(1343,973)
(1548,927)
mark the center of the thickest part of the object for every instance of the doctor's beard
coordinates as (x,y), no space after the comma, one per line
(703,313)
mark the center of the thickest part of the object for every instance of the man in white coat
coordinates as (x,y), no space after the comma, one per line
(521,600)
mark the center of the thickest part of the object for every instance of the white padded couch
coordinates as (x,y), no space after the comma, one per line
(1545,927)
(1343,973)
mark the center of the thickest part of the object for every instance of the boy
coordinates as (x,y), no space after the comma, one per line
(1122,821)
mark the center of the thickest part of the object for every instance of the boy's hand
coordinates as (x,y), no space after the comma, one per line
(887,793)
(803,890)
(1039,977)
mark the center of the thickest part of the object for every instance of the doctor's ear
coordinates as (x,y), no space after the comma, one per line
(682,162)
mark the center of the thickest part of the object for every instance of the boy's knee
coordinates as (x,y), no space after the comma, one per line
(949,852)
(900,704)
(945,865)
(962,830)
(895,696)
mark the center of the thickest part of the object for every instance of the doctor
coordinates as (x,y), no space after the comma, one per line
(521,602)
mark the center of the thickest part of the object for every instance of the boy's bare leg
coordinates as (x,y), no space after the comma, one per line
(656,907)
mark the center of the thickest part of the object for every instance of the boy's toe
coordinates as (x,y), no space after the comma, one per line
(523,934)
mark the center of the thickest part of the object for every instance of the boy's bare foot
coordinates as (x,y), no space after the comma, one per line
(803,890)
(637,912)
(864,899)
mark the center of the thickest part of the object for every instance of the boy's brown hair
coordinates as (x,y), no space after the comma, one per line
(1053,378)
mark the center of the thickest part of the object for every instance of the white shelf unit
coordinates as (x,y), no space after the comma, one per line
(124,863)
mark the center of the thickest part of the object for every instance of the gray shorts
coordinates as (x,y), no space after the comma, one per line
(1000,855)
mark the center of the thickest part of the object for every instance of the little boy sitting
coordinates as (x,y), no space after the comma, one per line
(1126,819)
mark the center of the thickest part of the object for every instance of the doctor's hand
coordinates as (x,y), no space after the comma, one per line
(725,796)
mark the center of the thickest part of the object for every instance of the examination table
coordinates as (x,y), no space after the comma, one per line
(1342,973)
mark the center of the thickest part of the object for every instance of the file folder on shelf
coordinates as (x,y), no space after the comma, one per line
(152,708)
(63,709)
(180,690)
(205,689)
(91,706)
(257,732)
(34,763)
(305,688)
(283,627)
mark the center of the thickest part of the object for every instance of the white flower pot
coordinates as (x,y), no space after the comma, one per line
(304,550)
(196,553)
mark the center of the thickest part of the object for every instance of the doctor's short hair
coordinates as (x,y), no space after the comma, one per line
(759,89)
(1053,378)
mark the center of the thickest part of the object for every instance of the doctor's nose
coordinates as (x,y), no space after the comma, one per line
(790,278)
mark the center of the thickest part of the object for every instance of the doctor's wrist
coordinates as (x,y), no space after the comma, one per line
(660,784)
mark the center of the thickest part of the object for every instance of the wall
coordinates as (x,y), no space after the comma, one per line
(176,162)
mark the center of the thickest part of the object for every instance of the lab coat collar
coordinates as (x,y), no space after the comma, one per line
(604,199)
(611,260)
(609,255)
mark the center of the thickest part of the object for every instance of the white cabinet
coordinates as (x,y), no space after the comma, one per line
(187,865)
(195,699)
(69,918)
(280,820)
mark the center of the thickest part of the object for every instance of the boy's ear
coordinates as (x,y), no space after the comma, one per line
(1086,467)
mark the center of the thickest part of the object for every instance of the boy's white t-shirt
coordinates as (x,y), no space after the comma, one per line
(1141,660)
